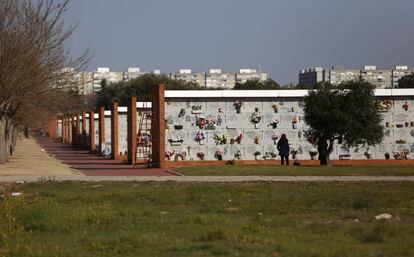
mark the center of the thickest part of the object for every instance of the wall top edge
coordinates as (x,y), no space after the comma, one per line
(267,93)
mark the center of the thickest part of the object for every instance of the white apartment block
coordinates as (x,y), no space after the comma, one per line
(90,82)
(216,78)
(381,78)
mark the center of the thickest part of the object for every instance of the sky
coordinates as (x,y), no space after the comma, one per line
(279,37)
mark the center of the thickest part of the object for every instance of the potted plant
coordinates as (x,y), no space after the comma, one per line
(237,104)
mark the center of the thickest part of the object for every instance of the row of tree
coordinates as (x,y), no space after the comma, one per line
(142,87)
(34,78)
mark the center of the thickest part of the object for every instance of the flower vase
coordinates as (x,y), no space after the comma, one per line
(257,125)
(238,109)
(220,157)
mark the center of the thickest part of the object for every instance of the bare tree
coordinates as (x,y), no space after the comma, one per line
(35,68)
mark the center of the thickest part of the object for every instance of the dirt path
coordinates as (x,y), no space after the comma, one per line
(31,160)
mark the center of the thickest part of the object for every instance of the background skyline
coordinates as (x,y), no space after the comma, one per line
(280,37)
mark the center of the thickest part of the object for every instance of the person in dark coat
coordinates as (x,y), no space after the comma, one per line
(283,148)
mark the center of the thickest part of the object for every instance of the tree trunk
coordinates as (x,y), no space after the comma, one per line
(325,151)
(14,136)
(8,137)
(3,146)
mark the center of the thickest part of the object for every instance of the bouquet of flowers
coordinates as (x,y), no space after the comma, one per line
(257,139)
(211,124)
(221,140)
(219,154)
(238,155)
(269,155)
(176,139)
(200,136)
(256,118)
(239,138)
(256,154)
(275,137)
(201,123)
(181,155)
(201,155)
(169,154)
(275,107)
(238,104)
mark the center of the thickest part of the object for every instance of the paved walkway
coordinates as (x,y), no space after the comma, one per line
(31,160)
(213,179)
(94,165)
(97,168)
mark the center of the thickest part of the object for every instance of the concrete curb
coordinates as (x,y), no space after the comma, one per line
(209,179)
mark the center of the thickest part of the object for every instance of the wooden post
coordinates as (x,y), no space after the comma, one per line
(158,126)
(132,130)
(83,144)
(92,147)
(101,125)
(114,131)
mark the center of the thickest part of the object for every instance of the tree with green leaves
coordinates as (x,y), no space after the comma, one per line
(406,81)
(256,84)
(347,113)
(140,87)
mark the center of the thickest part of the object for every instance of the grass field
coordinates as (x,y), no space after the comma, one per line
(199,219)
(249,170)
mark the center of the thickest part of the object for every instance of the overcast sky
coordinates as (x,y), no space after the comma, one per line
(278,36)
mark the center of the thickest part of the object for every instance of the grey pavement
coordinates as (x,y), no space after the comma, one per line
(214,179)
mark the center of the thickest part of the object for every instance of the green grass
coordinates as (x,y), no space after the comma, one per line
(199,219)
(249,170)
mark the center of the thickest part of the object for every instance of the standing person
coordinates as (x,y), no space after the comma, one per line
(283,148)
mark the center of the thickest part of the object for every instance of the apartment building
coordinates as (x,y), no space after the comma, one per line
(216,78)
(381,78)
